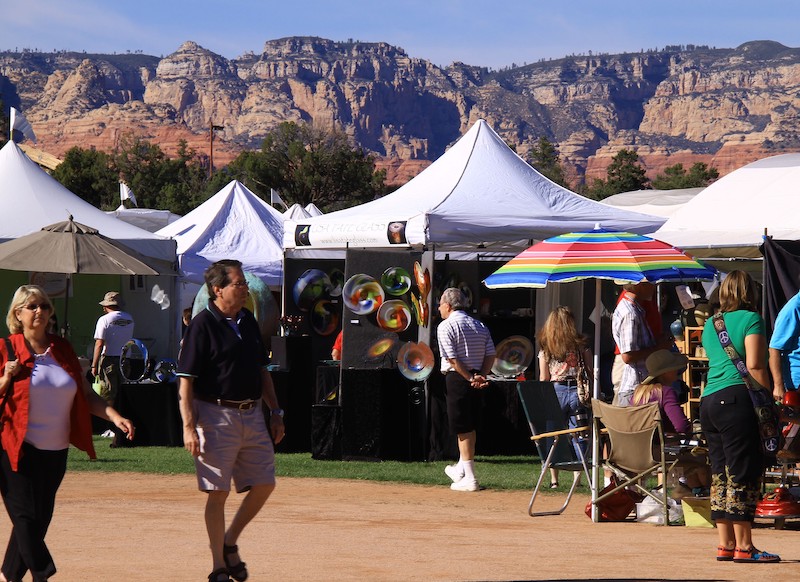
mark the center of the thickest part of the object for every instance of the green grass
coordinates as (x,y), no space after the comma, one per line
(496,472)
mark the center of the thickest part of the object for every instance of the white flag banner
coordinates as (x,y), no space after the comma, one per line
(125,193)
(22,125)
(275,198)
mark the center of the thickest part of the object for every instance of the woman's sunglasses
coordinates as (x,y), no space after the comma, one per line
(35,306)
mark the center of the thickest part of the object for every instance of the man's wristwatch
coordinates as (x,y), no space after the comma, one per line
(277,411)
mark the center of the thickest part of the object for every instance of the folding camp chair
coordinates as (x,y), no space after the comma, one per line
(636,448)
(559,447)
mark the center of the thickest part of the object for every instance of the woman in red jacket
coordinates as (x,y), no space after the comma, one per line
(47,410)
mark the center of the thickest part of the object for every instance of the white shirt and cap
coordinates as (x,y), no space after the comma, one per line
(113,330)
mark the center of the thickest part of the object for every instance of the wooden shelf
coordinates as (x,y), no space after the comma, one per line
(697,370)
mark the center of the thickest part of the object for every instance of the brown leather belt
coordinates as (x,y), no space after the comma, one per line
(244,405)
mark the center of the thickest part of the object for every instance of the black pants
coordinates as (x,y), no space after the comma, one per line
(734,449)
(29,495)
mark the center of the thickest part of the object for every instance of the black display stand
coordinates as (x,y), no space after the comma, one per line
(383,416)
(152,407)
(326,432)
(295,388)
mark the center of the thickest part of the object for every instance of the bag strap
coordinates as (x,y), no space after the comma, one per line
(11,355)
(730,350)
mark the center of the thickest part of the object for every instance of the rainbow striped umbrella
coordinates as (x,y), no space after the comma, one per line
(598,254)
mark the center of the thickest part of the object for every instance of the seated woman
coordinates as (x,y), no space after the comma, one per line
(663,368)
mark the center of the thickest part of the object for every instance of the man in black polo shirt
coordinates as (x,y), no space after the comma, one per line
(223,379)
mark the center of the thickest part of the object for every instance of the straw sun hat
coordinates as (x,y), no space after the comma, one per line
(662,361)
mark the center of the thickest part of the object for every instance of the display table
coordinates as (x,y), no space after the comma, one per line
(152,407)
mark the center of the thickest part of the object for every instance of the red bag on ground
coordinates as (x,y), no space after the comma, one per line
(615,507)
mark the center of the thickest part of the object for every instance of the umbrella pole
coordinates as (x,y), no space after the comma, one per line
(596,394)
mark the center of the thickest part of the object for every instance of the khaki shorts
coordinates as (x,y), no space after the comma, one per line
(234,445)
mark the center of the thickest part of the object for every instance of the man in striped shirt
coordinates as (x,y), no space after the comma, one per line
(467,356)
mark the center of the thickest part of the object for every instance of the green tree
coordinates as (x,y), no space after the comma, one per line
(178,185)
(310,165)
(544,157)
(89,174)
(624,174)
(674,177)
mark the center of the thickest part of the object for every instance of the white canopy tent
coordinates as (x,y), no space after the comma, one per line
(296,212)
(476,195)
(728,219)
(312,209)
(232,224)
(34,199)
(39,200)
(662,203)
(148,219)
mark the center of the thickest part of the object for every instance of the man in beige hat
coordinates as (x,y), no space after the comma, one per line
(114,329)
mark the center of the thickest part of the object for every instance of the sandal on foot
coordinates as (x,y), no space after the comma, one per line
(554,485)
(237,571)
(724,554)
(219,575)
(754,555)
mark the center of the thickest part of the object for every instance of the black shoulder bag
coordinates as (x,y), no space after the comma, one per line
(763,403)
(11,356)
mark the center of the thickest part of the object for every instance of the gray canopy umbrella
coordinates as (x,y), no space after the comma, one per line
(72,248)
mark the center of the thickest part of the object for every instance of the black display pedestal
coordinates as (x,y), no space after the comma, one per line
(326,432)
(295,388)
(152,407)
(383,416)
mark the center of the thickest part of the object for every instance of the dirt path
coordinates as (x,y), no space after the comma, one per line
(136,527)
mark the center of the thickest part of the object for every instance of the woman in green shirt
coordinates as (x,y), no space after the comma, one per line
(729,420)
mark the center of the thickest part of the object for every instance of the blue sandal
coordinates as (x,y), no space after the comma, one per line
(754,555)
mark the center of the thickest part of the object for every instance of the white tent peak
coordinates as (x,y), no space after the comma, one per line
(232,224)
(733,212)
(478,191)
(23,184)
(312,209)
(295,212)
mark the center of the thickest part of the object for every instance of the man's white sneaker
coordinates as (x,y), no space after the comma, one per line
(465,485)
(455,473)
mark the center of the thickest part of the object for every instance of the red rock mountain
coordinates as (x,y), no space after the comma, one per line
(725,107)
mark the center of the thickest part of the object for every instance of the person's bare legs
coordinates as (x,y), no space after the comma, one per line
(215,525)
(743,533)
(466,445)
(252,503)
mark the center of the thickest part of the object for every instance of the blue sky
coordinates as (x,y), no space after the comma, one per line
(477,32)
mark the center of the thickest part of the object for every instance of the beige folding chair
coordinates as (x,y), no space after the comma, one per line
(636,447)
(559,447)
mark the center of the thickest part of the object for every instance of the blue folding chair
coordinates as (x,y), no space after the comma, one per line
(559,447)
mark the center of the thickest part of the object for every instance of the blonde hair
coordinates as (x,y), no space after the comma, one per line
(21,297)
(737,291)
(559,335)
(643,392)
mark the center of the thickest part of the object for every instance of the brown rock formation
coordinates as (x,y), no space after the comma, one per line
(725,107)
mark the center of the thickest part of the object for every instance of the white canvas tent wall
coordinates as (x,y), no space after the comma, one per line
(478,193)
(662,203)
(728,218)
(232,224)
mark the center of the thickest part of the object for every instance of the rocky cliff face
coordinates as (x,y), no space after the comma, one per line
(725,107)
